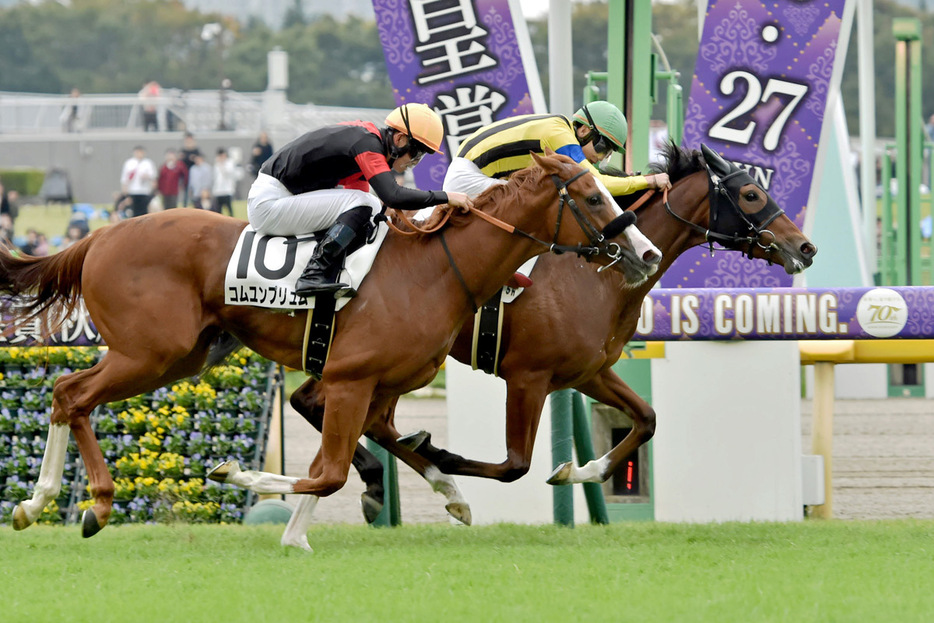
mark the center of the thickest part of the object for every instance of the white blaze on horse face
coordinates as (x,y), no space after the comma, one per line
(617,211)
(643,247)
(50,477)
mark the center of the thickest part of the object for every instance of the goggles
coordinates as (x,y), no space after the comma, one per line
(602,146)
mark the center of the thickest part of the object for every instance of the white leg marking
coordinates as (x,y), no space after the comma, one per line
(592,471)
(457,506)
(296,532)
(49,484)
(263,483)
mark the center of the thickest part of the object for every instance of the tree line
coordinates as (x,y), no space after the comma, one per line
(115,46)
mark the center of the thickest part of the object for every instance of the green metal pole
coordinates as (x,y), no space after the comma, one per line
(583,444)
(915,154)
(887,259)
(901,161)
(391,515)
(561,452)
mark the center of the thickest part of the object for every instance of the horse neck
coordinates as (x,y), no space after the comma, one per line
(487,255)
(688,198)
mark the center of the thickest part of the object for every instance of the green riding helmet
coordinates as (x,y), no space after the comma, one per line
(608,119)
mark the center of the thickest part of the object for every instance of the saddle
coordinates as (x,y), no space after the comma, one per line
(262,272)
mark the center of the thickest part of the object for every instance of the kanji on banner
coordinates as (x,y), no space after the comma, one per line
(758,96)
(467,59)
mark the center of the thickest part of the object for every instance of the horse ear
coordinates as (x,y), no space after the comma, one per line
(539,160)
(716,163)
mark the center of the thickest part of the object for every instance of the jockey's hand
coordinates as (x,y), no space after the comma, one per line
(659,181)
(460,200)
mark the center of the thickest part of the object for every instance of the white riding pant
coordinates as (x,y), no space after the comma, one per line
(466,177)
(272,209)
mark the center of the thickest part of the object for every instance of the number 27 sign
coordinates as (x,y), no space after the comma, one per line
(758,96)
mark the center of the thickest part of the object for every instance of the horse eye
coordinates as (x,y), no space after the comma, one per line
(595,200)
(751,196)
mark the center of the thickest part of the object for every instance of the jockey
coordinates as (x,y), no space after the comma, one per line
(494,152)
(321,181)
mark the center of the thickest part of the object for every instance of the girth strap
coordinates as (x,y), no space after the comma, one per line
(319,331)
(487,335)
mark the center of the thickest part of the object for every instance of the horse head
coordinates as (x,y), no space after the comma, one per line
(744,217)
(599,231)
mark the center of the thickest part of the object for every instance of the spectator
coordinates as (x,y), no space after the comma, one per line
(200,181)
(149,97)
(205,201)
(73,234)
(173,175)
(226,174)
(6,231)
(9,204)
(70,117)
(35,243)
(929,128)
(137,179)
(188,152)
(262,151)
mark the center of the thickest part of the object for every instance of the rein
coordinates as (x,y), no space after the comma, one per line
(564,198)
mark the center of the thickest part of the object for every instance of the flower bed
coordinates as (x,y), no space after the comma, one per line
(158,445)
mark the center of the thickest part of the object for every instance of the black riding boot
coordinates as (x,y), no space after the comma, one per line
(320,275)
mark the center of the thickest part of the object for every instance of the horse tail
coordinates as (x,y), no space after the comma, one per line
(41,283)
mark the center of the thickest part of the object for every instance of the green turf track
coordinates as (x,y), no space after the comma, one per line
(810,571)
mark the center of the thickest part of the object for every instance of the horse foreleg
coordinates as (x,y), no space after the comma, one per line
(608,388)
(525,397)
(49,484)
(296,532)
(305,401)
(344,418)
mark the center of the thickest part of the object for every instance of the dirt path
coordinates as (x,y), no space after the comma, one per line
(883,460)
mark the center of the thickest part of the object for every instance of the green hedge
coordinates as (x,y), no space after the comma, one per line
(28,182)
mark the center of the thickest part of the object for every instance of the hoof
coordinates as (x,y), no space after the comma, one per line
(20,520)
(221,472)
(413,441)
(300,543)
(560,475)
(89,524)
(372,507)
(459,511)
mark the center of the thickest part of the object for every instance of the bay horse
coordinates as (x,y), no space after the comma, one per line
(569,328)
(154,288)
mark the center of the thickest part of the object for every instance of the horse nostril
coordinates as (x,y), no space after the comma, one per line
(651,256)
(808,250)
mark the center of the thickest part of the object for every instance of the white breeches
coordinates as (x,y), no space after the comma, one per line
(464,176)
(272,209)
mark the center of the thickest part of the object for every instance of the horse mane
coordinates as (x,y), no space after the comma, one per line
(678,162)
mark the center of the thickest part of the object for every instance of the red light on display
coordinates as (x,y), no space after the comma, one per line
(626,480)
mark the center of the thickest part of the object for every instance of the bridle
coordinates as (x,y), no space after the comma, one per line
(597,239)
(728,224)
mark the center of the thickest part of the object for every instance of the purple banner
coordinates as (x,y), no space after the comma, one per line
(758,95)
(787,314)
(462,58)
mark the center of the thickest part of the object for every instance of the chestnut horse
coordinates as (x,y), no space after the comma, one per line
(597,315)
(154,287)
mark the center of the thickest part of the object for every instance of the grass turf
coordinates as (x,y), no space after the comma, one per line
(812,571)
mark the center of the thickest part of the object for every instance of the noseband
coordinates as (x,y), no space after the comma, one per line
(728,224)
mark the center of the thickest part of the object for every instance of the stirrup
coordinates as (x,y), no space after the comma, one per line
(323,287)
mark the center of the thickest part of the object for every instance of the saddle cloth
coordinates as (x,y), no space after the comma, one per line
(263,269)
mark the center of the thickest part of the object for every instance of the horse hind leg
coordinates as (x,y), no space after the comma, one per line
(75,395)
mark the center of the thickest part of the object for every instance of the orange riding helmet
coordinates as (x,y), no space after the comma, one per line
(419,122)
